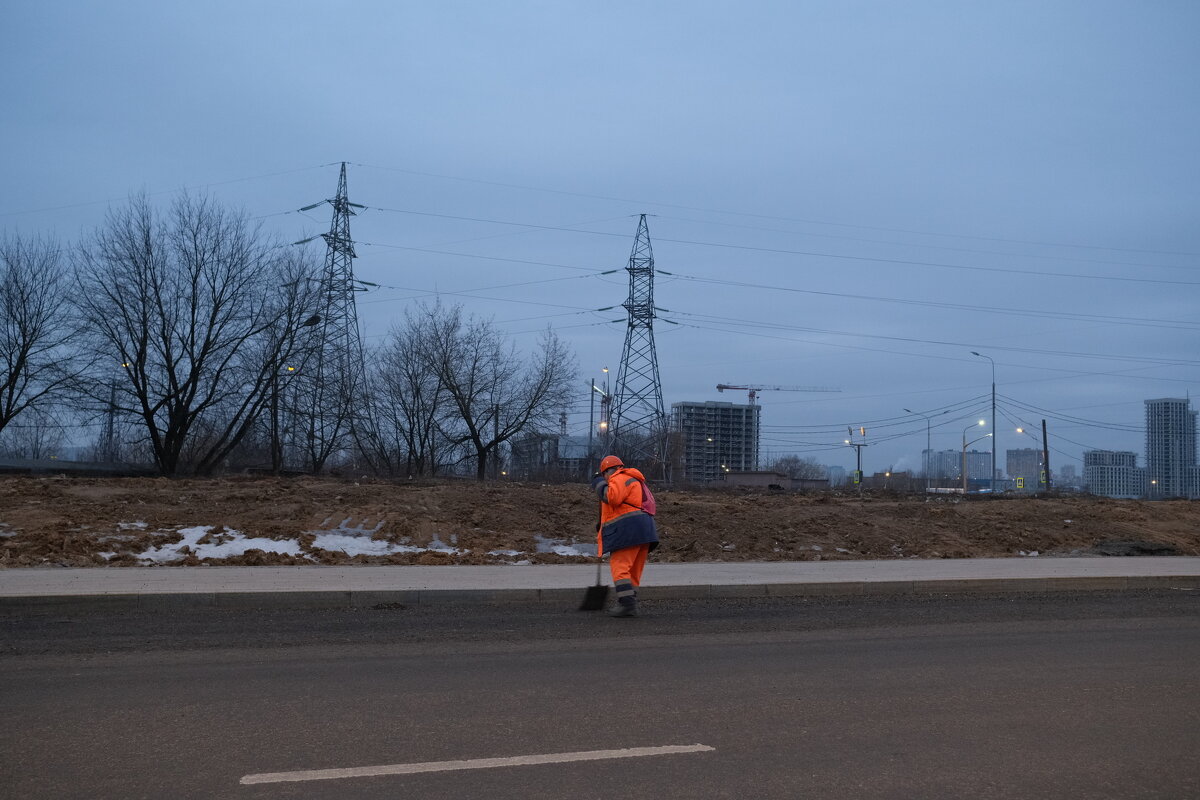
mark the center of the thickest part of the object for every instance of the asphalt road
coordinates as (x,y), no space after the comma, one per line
(1034,696)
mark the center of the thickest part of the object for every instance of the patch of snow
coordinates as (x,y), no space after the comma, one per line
(358,540)
(438,546)
(561,548)
(504,553)
(357,545)
(131,526)
(228,543)
(1031,553)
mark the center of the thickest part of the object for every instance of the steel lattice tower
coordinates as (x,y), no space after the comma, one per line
(638,417)
(339,374)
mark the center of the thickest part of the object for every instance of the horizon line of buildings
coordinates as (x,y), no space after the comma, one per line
(713,440)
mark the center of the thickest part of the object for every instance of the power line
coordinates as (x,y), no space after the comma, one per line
(1148,322)
(933,246)
(1091,423)
(809,253)
(644,203)
(914,340)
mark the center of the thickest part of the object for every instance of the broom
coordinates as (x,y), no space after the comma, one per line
(596,596)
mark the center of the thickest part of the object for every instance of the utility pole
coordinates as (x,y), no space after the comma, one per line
(591,426)
(992,479)
(276,449)
(638,422)
(858,475)
(1045,455)
(495,436)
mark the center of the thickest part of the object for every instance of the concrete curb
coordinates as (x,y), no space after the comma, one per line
(568,598)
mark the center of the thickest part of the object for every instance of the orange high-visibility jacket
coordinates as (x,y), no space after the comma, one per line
(623,523)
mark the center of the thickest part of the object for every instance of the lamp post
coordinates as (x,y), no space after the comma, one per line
(928,446)
(964,450)
(992,482)
(605,403)
(276,441)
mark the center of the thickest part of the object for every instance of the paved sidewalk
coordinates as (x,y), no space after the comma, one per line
(30,589)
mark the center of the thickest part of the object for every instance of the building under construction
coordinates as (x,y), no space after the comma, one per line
(715,439)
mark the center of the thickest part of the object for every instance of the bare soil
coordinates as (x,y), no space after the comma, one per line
(71,521)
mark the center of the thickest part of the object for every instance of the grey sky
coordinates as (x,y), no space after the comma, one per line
(1031,156)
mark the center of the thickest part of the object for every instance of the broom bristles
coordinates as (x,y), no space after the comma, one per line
(594,598)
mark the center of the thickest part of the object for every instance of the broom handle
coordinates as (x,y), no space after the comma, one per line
(599,556)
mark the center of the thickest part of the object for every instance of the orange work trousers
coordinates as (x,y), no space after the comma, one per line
(628,563)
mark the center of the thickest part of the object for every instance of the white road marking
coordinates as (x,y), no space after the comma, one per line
(474,763)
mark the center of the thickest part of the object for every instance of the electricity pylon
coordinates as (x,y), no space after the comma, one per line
(335,385)
(638,420)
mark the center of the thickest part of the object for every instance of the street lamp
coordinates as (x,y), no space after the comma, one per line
(928,446)
(605,410)
(992,482)
(276,441)
(964,450)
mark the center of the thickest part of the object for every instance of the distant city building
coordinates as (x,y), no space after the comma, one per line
(947,464)
(549,456)
(1171,448)
(1112,473)
(1067,476)
(716,439)
(1024,466)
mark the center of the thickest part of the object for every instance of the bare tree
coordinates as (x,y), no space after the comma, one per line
(494,392)
(799,468)
(39,434)
(36,328)
(411,402)
(201,311)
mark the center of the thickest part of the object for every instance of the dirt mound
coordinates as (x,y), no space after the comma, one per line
(264,520)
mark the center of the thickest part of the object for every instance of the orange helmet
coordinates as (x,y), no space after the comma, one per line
(609,462)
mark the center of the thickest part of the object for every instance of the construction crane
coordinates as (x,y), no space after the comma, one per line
(754,389)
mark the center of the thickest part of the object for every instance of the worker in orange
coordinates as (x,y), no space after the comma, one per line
(627,530)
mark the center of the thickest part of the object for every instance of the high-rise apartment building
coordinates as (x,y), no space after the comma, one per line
(1066,476)
(1113,473)
(716,439)
(1024,466)
(1171,448)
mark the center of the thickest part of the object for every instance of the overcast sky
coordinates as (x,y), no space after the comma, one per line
(845,194)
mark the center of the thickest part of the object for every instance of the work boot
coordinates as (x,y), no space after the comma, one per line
(627,607)
(626,599)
